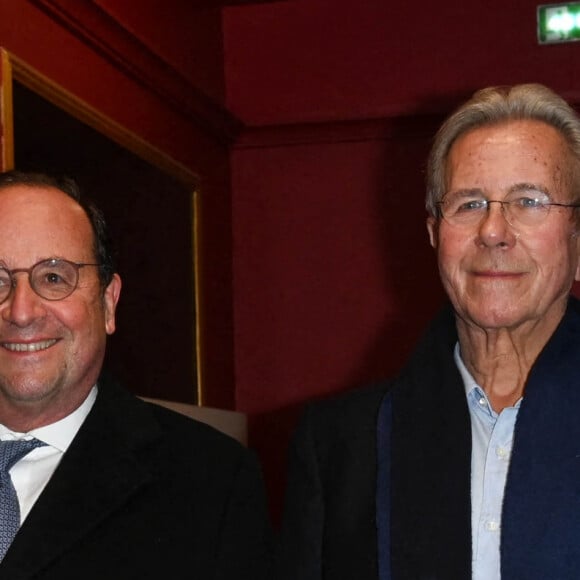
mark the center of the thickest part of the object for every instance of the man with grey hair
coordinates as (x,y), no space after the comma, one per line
(467,465)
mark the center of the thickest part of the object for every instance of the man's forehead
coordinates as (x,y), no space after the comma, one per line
(502,157)
(24,197)
(511,133)
(530,144)
(30,190)
(42,216)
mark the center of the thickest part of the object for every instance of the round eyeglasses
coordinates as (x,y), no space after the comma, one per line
(466,209)
(52,279)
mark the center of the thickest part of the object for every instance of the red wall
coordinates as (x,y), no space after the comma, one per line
(332,266)
(316,271)
(333,275)
(183,32)
(307,60)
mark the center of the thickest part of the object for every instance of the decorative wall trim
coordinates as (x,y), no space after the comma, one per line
(402,127)
(102,33)
(20,71)
(6,113)
(420,123)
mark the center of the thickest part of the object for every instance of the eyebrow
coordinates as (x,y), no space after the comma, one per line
(516,188)
(535,187)
(473,192)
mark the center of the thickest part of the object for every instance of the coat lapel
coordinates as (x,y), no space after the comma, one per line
(431,463)
(98,473)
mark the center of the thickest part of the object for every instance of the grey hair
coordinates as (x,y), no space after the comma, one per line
(495,105)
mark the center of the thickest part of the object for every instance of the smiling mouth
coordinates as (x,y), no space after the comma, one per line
(497,273)
(29,346)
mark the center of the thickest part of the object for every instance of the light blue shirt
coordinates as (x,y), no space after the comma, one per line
(491,446)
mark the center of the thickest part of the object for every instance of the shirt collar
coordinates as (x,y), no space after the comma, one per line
(473,391)
(468,381)
(60,434)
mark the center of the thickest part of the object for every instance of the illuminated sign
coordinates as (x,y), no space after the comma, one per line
(558,23)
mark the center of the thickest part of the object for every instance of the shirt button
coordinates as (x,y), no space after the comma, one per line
(482,401)
(492,526)
(502,452)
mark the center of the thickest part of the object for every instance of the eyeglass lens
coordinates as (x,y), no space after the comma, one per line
(50,279)
(470,210)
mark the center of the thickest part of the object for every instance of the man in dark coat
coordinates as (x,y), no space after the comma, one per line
(111,487)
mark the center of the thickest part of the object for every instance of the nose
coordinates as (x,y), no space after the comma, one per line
(494,229)
(23,305)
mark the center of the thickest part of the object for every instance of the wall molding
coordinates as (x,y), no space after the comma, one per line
(98,30)
(342,131)
(398,126)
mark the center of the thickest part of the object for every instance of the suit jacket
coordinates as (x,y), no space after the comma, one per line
(420,527)
(145,493)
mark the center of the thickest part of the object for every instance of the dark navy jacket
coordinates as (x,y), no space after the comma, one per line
(339,524)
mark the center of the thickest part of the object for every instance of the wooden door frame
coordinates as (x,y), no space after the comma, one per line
(12,69)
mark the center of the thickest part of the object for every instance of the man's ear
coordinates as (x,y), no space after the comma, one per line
(110,299)
(432,227)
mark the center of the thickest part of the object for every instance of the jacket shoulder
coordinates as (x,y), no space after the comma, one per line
(343,416)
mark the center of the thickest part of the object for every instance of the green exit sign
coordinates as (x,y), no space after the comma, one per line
(558,22)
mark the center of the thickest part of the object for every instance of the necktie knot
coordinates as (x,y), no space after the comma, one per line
(12,451)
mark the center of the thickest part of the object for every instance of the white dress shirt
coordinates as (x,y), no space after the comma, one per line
(32,472)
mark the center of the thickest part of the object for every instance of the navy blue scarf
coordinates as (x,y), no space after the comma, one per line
(423,470)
